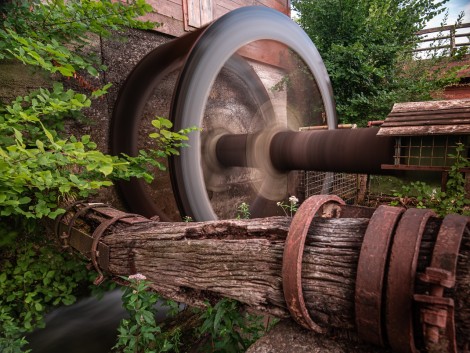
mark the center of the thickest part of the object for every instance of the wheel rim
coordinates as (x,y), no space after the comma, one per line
(207,57)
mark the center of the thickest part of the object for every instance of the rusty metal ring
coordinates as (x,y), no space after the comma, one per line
(97,234)
(61,216)
(80,212)
(292,258)
(446,249)
(401,279)
(371,273)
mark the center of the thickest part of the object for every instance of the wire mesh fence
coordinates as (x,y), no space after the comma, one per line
(344,185)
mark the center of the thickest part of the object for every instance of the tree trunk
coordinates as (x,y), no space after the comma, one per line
(242,259)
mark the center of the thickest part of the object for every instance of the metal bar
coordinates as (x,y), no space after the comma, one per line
(370,280)
(348,151)
(416,167)
(82,242)
(401,279)
(292,258)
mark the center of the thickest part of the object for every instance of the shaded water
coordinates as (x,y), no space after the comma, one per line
(88,326)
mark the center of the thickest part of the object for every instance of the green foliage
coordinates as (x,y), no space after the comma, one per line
(141,333)
(34,277)
(40,165)
(366,46)
(453,200)
(53,34)
(168,142)
(243,211)
(228,328)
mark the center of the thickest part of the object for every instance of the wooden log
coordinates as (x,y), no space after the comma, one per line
(242,259)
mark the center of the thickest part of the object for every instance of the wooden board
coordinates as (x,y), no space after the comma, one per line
(428,118)
(181,16)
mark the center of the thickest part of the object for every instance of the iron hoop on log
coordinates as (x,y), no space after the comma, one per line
(401,279)
(292,258)
(371,273)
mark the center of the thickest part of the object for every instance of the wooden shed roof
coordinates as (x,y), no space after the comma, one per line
(428,118)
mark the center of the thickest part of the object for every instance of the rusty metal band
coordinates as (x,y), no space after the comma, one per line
(401,279)
(371,273)
(81,212)
(437,312)
(97,235)
(61,216)
(66,234)
(292,258)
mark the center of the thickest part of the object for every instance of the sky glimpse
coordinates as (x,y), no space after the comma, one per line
(454,7)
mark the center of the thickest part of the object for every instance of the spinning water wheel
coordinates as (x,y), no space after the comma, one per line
(249,104)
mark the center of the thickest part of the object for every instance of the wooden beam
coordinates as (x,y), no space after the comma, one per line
(242,259)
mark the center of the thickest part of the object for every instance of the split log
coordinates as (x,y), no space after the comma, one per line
(242,259)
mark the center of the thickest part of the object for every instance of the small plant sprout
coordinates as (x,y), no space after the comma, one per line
(243,211)
(290,208)
(187,219)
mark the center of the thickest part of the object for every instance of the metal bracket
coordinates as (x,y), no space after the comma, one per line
(97,235)
(90,246)
(437,312)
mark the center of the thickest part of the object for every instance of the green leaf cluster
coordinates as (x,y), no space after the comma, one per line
(140,332)
(366,46)
(39,166)
(229,328)
(34,277)
(54,34)
(243,211)
(453,200)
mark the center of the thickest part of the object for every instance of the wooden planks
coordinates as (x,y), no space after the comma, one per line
(180,16)
(428,118)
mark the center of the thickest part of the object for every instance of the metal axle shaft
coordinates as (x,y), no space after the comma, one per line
(349,151)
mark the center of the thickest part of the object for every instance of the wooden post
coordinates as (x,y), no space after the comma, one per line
(242,259)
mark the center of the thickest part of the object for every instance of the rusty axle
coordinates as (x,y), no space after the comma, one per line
(349,151)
